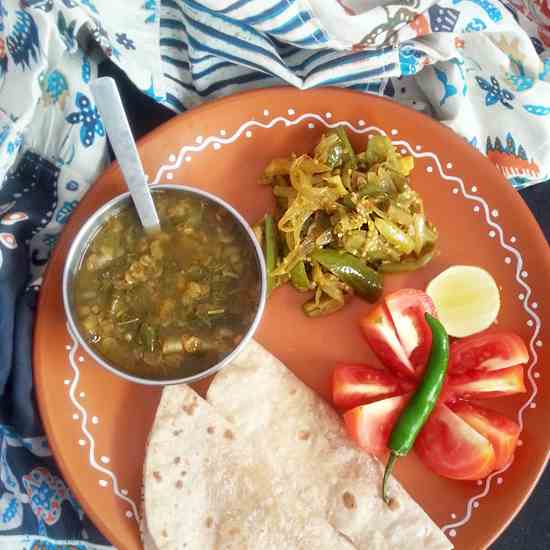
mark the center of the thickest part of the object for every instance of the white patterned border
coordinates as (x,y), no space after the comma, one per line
(122,494)
(244,129)
(217,141)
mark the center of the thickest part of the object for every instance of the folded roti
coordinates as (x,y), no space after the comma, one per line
(303,441)
(206,488)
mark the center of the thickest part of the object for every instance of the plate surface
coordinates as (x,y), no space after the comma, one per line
(98,423)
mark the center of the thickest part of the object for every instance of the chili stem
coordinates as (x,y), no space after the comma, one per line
(387,472)
(422,402)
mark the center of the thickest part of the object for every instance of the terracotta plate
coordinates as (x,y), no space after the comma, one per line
(97,423)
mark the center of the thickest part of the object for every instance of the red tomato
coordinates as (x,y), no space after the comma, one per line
(484,384)
(460,440)
(452,448)
(407,308)
(502,432)
(487,352)
(382,338)
(370,425)
(354,385)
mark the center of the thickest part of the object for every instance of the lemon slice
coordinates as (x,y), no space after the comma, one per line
(466,299)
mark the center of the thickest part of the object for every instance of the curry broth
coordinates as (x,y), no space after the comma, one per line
(172,304)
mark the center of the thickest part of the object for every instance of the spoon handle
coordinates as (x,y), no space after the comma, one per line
(120,135)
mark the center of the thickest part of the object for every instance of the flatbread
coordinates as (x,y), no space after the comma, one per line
(204,488)
(304,442)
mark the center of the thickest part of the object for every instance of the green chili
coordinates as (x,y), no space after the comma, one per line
(271,249)
(348,148)
(364,280)
(422,402)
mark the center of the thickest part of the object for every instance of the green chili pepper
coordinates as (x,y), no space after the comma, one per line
(299,278)
(351,270)
(271,249)
(348,149)
(422,402)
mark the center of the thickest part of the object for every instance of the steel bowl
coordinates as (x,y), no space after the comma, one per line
(78,250)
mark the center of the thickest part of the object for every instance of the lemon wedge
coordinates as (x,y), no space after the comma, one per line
(466,299)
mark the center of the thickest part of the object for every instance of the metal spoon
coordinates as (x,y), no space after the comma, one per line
(114,118)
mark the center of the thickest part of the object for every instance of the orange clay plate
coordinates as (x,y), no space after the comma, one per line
(98,423)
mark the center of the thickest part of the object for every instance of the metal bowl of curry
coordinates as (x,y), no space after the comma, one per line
(171,307)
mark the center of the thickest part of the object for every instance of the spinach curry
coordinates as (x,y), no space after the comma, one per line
(171,304)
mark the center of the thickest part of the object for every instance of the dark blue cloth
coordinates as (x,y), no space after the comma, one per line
(33,497)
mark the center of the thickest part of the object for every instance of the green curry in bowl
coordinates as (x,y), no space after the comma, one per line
(173,304)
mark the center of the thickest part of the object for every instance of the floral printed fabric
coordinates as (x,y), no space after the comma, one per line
(480,66)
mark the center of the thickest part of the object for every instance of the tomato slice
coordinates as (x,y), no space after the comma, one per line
(370,425)
(407,308)
(485,384)
(354,385)
(487,352)
(382,339)
(502,432)
(452,448)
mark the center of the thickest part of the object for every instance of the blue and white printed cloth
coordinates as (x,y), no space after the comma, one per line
(480,66)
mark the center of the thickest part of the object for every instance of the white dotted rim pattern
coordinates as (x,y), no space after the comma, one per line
(201,143)
(133,513)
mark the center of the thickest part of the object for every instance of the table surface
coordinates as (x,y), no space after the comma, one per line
(530,530)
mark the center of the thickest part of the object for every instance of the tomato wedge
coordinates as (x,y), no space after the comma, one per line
(502,432)
(407,308)
(452,448)
(370,425)
(382,339)
(460,440)
(487,352)
(486,384)
(354,385)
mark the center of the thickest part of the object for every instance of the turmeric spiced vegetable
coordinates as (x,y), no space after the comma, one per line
(344,218)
